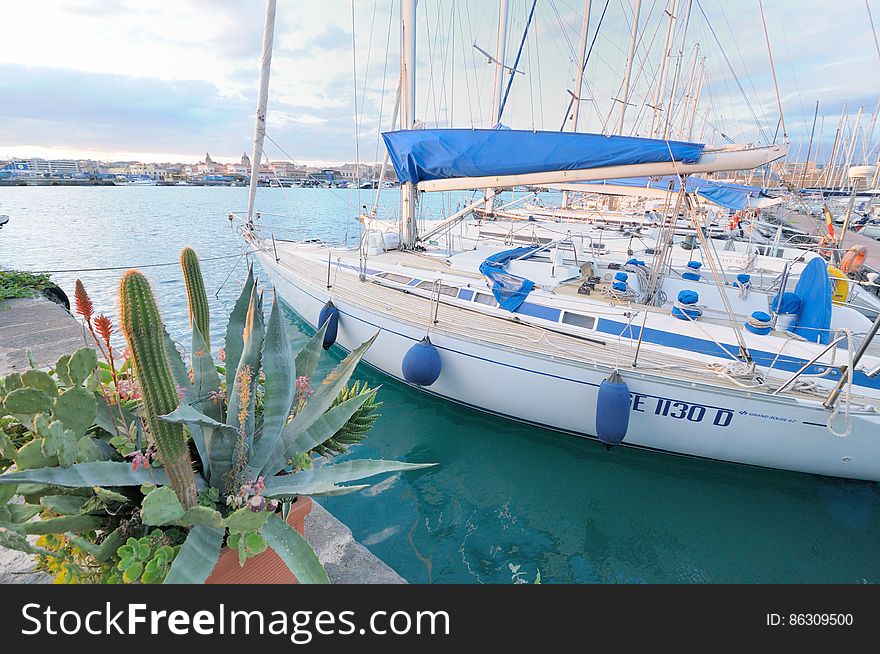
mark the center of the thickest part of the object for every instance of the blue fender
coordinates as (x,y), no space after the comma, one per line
(330,315)
(612,410)
(421,364)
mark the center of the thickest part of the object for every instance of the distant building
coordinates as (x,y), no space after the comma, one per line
(239,169)
(45,167)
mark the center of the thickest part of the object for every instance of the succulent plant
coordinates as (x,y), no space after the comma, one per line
(145,335)
(241,448)
(199,310)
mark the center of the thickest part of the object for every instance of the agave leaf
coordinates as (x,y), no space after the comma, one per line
(304,483)
(295,551)
(312,489)
(270,458)
(197,556)
(86,475)
(323,427)
(178,369)
(248,372)
(235,326)
(206,379)
(215,443)
(280,387)
(103,417)
(308,357)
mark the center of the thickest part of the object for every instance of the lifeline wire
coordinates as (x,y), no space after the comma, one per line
(146,265)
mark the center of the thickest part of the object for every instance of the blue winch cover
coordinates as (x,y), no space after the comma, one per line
(729,196)
(510,291)
(425,154)
(814,289)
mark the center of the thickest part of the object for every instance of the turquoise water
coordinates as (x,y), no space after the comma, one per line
(506,500)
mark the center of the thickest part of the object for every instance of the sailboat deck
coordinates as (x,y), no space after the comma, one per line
(507,333)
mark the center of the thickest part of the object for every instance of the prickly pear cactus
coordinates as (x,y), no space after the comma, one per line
(144,331)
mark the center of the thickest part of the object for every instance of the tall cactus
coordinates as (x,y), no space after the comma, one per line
(145,333)
(199,312)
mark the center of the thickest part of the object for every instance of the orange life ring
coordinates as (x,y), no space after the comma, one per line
(854,259)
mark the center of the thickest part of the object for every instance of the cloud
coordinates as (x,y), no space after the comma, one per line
(182,76)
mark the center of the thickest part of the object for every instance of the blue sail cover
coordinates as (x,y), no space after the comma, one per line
(510,291)
(813,321)
(426,154)
(730,196)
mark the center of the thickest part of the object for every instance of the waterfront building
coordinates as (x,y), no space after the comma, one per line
(37,167)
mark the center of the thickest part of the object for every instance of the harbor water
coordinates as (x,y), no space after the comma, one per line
(506,501)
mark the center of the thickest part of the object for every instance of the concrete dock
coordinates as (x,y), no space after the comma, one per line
(48,331)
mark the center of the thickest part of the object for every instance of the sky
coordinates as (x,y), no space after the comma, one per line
(170,80)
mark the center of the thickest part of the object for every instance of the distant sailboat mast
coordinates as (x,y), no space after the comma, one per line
(498,85)
(262,101)
(408,227)
(571,122)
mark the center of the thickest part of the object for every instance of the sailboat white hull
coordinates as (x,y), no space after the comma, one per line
(667,414)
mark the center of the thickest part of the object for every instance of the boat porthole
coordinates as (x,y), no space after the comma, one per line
(847,459)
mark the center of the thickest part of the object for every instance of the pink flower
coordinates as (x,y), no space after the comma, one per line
(303,388)
(222,354)
(128,389)
(141,459)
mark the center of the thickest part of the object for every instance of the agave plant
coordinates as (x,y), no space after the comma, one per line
(224,444)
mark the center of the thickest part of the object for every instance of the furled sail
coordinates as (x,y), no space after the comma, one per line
(724,194)
(432,154)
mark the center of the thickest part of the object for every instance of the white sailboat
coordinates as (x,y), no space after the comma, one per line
(511,335)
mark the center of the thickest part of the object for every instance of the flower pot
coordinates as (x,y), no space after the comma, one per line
(266,567)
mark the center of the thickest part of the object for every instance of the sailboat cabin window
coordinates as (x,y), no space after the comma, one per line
(391,277)
(484,298)
(446,289)
(578,320)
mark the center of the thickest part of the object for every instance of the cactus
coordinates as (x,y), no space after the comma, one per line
(144,332)
(199,312)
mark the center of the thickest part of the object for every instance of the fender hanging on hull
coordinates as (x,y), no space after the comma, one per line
(612,411)
(330,313)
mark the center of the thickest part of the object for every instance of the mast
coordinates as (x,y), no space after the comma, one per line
(678,62)
(262,101)
(629,62)
(408,228)
(810,146)
(664,68)
(701,79)
(692,80)
(571,121)
(852,146)
(500,51)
